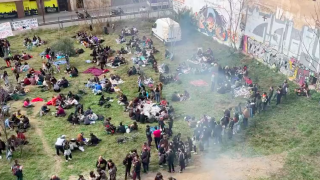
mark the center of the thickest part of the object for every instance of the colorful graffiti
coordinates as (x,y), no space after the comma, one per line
(264,53)
(211,23)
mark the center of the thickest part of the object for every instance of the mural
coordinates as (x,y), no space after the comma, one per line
(30,8)
(8,10)
(211,23)
(51,6)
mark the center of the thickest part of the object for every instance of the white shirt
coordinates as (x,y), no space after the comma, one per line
(60,141)
(75,102)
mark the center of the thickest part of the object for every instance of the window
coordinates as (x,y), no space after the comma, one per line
(79,4)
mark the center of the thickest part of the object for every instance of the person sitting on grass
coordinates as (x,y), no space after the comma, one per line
(26,81)
(97,89)
(60,112)
(123,100)
(72,101)
(25,122)
(121,128)
(22,138)
(74,72)
(27,103)
(63,82)
(56,87)
(94,140)
(44,110)
(134,126)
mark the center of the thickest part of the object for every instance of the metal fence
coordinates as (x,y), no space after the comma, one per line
(106,13)
(127,16)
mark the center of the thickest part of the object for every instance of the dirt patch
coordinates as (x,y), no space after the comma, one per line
(33,121)
(227,168)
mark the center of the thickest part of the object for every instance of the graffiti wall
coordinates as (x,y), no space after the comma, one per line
(213,17)
(275,42)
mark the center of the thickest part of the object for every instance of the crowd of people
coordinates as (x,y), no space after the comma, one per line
(148,106)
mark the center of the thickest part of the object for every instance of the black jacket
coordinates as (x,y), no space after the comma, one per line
(145,156)
(137,167)
(170,157)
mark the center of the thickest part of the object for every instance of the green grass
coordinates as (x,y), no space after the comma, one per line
(291,127)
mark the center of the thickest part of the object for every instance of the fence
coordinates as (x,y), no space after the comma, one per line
(137,15)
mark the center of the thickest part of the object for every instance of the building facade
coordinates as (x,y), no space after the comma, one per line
(21,8)
(76,5)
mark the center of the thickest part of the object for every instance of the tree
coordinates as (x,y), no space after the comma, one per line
(314,25)
(233,11)
(64,46)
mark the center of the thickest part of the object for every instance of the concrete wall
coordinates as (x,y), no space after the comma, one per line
(278,43)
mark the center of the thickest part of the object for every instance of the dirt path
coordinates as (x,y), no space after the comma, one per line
(227,168)
(46,147)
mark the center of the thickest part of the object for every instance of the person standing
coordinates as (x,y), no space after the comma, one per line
(270,94)
(5,77)
(112,171)
(59,144)
(264,101)
(170,123)
(217,133)
(127,162)
(17,170)
(246,116)
(157,94)
(181,159)
(170,159)
(137,169)
(48,82)
(279,94)
(149,136)
(101,163)
(157,137)
(284,88)
(145,158)
(67,151)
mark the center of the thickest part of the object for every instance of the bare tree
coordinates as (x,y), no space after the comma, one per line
(313,25)
(235,12)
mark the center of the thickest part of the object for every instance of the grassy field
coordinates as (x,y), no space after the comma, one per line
(290,127)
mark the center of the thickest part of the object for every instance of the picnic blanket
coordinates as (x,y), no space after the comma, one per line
(37,99)
(150,109)
(199,83)
(242,91)
(95,71)
(59,62)
(115,82)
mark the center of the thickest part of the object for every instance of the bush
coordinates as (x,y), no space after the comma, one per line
(64,46)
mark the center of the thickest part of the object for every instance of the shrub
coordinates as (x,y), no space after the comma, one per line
(64,46)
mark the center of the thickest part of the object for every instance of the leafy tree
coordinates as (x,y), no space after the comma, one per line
(64,46)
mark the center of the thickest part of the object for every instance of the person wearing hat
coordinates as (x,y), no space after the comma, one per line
(59,144)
